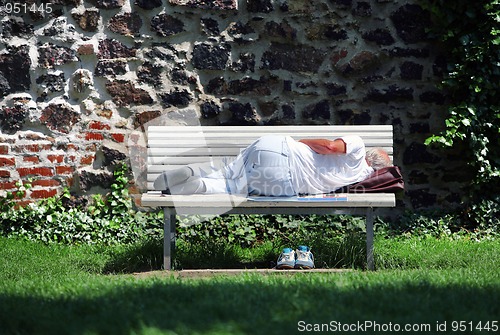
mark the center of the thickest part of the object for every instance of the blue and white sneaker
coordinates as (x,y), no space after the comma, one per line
(286,260)
(304,258)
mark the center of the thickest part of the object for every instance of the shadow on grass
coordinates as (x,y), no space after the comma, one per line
(343,251)
(252,305)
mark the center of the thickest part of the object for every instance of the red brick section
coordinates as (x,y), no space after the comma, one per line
(120,138)
(7,161)
(94,137)
(11,185)
(4,174)
(64,169)
(55,158)
(45,183)
(43,194)
(96,125)
(31,159)
(36,171)
(32,147)
(87,160)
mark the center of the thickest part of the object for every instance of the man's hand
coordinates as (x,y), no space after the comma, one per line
(326,147)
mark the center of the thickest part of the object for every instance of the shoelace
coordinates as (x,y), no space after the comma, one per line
(303,254)
(286,257)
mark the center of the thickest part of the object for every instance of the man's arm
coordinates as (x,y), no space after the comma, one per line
(326,147)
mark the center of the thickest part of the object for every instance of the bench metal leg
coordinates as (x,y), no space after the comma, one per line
(168,237)
(370,263)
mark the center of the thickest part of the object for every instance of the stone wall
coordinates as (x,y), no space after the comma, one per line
(76,82)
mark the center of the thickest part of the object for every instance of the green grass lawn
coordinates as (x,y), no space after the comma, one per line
(419,282)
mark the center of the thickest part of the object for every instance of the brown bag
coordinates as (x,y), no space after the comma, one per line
(384,180)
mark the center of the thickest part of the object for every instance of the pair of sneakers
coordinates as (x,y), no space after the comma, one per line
(302,258)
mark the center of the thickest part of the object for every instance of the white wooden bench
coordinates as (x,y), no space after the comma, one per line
(175,146)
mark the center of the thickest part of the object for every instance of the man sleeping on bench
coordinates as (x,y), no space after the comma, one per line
(280,166)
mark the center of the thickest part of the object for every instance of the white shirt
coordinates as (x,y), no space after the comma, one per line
(314,173)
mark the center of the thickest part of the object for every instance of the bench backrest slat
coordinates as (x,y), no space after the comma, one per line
(173,146)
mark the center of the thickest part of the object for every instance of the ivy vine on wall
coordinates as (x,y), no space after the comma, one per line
(470,31)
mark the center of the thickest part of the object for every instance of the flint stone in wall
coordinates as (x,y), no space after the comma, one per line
(268,108)
(281,30)
(88,179)
(317,112)
(242,114)
(61,30)
(294,58)
(261,87)
(333,89)
(181,77)
(217,86)
(422,198)
(163,51)
(52,82)
(52,55)
(240,32)
(362,9)
(209,110)
(350,117)
(124,93)
(148,4)
(141,119)
(362,61)
(326,32)
(411,71)
(392,93)
(417,178)
(125,24)
(260,6)
(112,156)
(110,68)
(88,21)
(176,98)
(288,112)
(408,52)
(150,74)
(420,128)
(59,117)
(245,63)
(15,69)
(12,119)
(110,49)
(411,22)
(303,7)
(418,153)
(342,3)
(210,27)
(166,25)
(82,82)
(207,4)
(432,97)
(108,4)
(15,26)
(379,36)
(210,57)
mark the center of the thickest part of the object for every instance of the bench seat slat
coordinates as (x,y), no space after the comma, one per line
(268,129)
(207,201)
